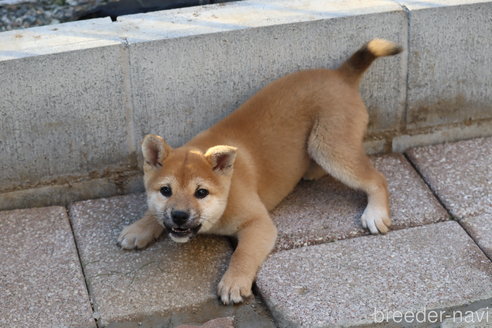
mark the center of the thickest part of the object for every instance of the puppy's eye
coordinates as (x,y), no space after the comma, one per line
(201,193)
(166,191)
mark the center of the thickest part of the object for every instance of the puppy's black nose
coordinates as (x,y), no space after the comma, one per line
(180,217)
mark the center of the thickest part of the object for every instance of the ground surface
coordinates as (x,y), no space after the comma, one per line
(62,268)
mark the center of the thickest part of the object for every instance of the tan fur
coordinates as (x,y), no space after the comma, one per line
(302,125)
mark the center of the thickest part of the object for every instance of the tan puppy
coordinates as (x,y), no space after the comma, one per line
(226,179)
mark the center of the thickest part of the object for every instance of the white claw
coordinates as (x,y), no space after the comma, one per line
(376,219)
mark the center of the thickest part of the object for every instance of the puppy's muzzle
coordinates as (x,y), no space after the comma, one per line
(181,226)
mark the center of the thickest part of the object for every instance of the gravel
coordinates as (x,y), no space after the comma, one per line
(15,14)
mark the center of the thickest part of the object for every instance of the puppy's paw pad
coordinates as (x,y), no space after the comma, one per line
(376,220)
(233,289)
(134,237)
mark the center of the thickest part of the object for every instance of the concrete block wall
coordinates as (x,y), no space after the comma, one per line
(457,85)
(449,82)
(76,99)
(65,108)
(184,86)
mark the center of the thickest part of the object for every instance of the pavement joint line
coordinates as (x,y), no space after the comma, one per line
(257,294)
(81,266)
(366,234)
(130,100)
(443,205)
(434,193)
(405,59)
(256,291)
(471,236)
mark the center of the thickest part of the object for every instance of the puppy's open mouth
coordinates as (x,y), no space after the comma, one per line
(183,233)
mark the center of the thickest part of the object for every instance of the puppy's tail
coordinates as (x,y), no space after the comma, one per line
(362,58)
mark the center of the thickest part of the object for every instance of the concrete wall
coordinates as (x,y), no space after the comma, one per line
(76,99)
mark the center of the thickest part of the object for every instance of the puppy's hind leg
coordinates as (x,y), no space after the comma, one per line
(345,159)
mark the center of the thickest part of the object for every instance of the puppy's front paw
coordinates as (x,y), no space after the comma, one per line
(376,219)
(137,236)
(232,288)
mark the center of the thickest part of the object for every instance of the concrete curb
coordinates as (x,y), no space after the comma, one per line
(77,98)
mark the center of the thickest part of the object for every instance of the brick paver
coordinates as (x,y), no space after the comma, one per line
(460,174)
(41,282)
(437,266)
(325,210)
(480,228)
(132,285)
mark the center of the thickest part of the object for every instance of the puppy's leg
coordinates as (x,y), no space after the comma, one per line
(314,172)
(141,233)
(345,159)
(256,239)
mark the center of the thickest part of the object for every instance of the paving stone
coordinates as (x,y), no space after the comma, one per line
(326,210)
(41,281)
(460,174)
(480,228)
(437,266)
(131,285)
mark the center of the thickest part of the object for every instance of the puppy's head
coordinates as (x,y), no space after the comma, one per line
(186,189)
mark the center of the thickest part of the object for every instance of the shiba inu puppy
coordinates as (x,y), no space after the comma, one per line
(227,179)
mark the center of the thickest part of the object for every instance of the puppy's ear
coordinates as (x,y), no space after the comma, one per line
(155,150)
(221,158)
